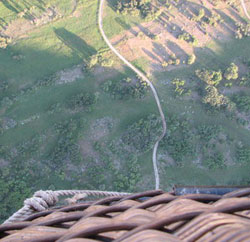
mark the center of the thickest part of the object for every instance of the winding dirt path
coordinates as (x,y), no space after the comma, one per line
(144,78)
(244,9)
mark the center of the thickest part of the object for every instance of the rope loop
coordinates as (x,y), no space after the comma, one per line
(41,200)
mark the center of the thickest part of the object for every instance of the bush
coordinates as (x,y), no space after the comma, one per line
(214,99)
(215,161)
(4,41)
(208,132)
(214,19)
(243,154)
(138,7)
(200,15)
(231,72)
(84,99)
(242,102)
(211,78)
(179,140)
(143,134)
(125,88)
(188,38)
(191,59)
(179,86)
(243,30)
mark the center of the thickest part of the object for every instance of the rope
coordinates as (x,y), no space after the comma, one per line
(43,200)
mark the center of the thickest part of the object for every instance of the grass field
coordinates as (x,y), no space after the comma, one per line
(49,139)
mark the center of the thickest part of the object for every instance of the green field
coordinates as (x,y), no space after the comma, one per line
(65,125)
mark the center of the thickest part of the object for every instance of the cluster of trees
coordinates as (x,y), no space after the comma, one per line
(104,175)
(191,59)
(243,154)
(83,100)
(215,99)
(125,88)
(179,140)
(173,60)
(243,30)
(212,78)
(200,15)
(242,102)
(245,80)
(231,72)
(142,135)
(212,96)
(15,187)
(214,161)
(99,59)
(188,38)
(186,141)
(179,86)
(208,132)
(4,41)
(127,178)
(138,7)
(212,20)
(66,147)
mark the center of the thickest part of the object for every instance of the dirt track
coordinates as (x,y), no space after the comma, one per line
(144,78)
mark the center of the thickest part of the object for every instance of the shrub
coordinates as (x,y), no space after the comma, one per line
(179,86)
(84,99)
(200,15)
(125,89)
(242,102)
(188,38)
(214,98)
(243,30)
(231,72)
(215,161)
(143,134)
(191,59)
(212,78)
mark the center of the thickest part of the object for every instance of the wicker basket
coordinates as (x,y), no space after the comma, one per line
(148,216)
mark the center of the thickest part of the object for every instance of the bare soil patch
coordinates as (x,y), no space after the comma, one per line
(98,129)
(69,75)
(139,41)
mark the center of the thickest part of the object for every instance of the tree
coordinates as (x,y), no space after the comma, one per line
(179,85)
(242,102)
(212,78)
(231,72)
(191,59)
(214,98)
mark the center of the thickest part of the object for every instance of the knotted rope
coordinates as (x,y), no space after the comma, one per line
(43,200)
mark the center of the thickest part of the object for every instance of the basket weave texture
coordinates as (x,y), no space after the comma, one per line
(148,216)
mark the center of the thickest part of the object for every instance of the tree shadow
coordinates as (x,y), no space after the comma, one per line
(160,50)
(228,23)
(75,43)
(112,4)
(3,23)
(14,7)
(122,23)
(144,30)
(176,49)
(237,16)
(151,55)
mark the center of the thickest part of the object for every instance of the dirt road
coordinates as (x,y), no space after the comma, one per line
(144,78)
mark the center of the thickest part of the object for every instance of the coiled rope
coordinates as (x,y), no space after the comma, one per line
(43,200)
